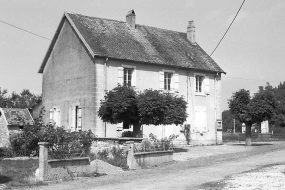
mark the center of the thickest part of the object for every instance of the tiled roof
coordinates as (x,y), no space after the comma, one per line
(15,116)
(114,39)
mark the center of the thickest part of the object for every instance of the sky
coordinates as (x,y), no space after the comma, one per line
(252,53)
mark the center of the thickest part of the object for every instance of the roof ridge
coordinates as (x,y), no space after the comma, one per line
(124,22)
(96,17)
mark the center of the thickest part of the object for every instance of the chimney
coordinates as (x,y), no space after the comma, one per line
(131,19)
(191,32)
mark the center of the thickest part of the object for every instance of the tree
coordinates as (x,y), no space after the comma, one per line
(249,110)
(119,105)
(151,107)
(25,99)
(5,101)
(228,122)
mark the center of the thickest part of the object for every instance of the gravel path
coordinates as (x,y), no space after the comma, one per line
(266,178)
(200,165)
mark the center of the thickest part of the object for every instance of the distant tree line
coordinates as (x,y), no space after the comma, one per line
(267,104)
(25,99)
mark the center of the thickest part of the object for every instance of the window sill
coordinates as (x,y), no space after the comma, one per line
(200,94)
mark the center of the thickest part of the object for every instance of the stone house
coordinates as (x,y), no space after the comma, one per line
(89,55)
(12,119)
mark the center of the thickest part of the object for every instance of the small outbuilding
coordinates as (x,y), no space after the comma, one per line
(12,119)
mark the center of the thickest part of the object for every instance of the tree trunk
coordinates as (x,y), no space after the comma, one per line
(248,135)
(137,132)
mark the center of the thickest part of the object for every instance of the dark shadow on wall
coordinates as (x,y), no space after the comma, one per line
(5,179)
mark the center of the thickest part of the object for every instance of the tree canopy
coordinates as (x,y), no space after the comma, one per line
(150,107)
(25,99)
(250,110)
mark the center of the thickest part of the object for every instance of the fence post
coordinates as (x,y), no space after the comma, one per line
(131,161)
(43,160)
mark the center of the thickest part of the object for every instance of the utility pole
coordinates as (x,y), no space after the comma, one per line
(234,126)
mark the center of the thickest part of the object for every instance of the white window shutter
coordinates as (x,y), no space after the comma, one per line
(79,119)
(56,117)
(120,126)
(72,119)
(176,82)
(120,75)
(206,84)
(161,80)
(134,78)
(51,115)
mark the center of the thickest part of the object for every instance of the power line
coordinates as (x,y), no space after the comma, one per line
(38,35)
(228,29)
(25,30)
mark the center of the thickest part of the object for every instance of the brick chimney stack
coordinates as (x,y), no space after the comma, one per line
(191,32)
(131,19)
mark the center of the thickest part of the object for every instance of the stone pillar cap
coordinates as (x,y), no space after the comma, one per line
(43,143)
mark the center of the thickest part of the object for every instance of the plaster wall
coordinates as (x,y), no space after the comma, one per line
(69,80)
(4,133)
(147,76)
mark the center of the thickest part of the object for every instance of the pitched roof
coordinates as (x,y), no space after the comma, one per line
(114,39)
(16,116)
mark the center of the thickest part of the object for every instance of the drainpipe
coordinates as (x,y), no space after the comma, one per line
(105,88)
(215,103)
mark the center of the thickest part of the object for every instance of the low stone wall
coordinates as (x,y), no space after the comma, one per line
(58,169)
(144,159)
(67,168)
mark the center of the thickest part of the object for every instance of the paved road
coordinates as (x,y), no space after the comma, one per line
(187,174)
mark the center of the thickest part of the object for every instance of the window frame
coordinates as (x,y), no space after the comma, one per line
(127,78)
(172,82)
(168,79)
(133,81)
(197,93)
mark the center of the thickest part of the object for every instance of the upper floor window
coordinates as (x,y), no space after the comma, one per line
(201,84)
(167,80)
(128,76)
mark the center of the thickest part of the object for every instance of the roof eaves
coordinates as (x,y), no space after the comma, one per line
(158,64)
(2,111)
(30,115)
(79,34)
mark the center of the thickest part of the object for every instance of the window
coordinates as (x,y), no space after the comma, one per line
(128,76)
(167,81)
(54,116)
(199,82)
(76,118)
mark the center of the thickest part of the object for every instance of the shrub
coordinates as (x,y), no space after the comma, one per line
(62,142)
(115,156)
(127,134)
(104,154)
(6,152)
